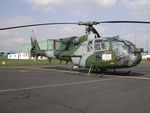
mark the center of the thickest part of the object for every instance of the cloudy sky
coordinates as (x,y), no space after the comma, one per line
(20,12)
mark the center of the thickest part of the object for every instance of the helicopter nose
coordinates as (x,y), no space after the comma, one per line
(136,58)
(139,55)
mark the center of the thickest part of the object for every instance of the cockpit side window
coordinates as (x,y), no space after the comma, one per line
(90,46)
(101,45)
(104,45)
(122,47)
(97,47)
(125,44)
(131,46)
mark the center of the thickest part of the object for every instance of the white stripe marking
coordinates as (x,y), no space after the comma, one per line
(55,85)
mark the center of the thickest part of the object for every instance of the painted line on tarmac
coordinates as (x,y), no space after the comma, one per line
(56,85)
(118,76)
(64,71)
(31,70)
(56,70)
(75,72)
(132,77)
(29,66)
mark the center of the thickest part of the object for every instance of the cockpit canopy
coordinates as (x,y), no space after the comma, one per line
(122,49)
(118,44)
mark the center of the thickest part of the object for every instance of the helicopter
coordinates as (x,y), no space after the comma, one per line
(90,50)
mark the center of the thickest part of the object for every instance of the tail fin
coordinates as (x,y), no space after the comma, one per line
(35,48)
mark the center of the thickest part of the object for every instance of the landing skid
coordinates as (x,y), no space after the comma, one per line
(128,72)
(100,72)
(73,66)
(93,68)
(115,72)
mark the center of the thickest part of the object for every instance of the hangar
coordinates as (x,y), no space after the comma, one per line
(6,53)
(48,44)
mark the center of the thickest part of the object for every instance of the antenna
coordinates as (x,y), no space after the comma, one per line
(147,45)
(135,38)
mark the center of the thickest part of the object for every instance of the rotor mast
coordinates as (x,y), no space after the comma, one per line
(90,28)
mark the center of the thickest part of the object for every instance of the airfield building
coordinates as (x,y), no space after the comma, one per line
(49,44)
(44,45)
(6,53)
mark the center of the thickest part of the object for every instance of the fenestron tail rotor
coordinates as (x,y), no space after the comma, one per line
(34,47)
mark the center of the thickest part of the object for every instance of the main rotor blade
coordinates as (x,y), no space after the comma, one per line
(30,25)
(78,23)
(140,22)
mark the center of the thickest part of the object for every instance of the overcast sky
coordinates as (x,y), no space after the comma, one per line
(20,12)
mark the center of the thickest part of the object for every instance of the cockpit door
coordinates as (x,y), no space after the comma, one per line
(101,49)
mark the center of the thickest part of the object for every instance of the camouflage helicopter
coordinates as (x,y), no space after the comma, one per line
(91,50)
